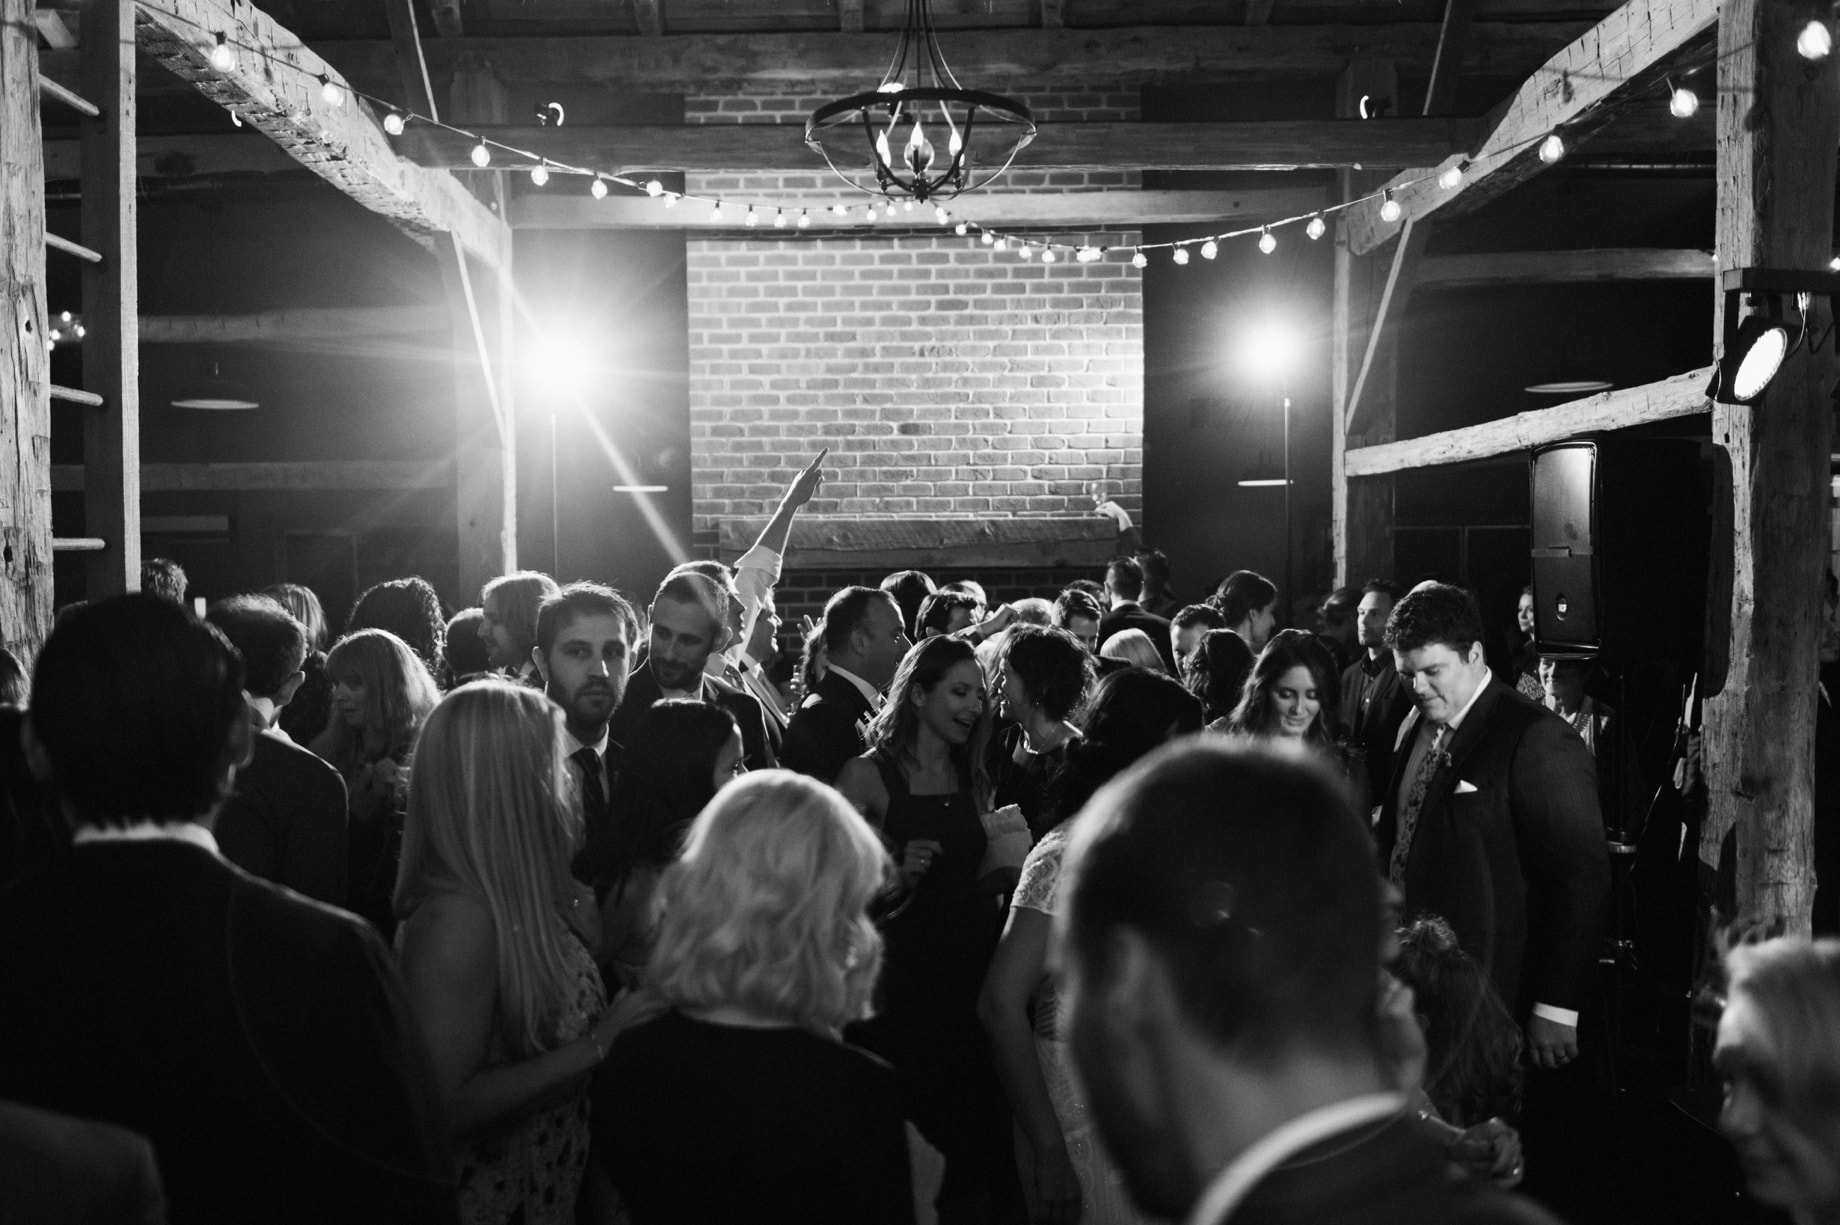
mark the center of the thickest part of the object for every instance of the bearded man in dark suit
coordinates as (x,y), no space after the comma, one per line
(259,1041)
(1221,934)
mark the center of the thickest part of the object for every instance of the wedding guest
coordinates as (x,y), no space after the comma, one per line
(1778,1053)
(740,1104)
(1292,694)
(909,589)
(1523,670)
(1249,602)
(1186,629)
(1135,648)
(1217,672)
(509,629)
(1079,614)
(408,608)
(922,787)
(1157,599)
(305,714)
(463,654)
(163,578)
(971,587)
(945,612)
(1124,587)
(495,950)
(1473,1047)
(862,644)
(381,693)
(1044,677)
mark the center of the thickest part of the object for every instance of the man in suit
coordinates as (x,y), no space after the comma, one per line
(1491,820)
(259,1041)
(1374,700)
(1124,586)
(585,638)
(864,642)
(690,622)
(752,661)
(286,820)
(1221,934)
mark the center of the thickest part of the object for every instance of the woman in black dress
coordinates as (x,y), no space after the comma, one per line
(920,786)
(1044,676)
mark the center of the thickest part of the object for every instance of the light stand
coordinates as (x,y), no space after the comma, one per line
(1290,592)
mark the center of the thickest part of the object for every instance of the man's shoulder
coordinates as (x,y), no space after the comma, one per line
(277,754)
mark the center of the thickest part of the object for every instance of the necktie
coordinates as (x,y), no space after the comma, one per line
(588,861)
(1408,811)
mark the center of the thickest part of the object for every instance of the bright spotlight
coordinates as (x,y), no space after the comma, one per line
(560,363)
(1270,351)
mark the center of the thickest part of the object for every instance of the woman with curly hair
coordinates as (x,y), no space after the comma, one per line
(1043,677)
(495,950)
(741,1103)
(381,695)
(408,608)
(921,785)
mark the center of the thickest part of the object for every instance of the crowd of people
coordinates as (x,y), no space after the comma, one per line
(1104,908)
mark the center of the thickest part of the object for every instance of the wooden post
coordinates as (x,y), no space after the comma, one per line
(111,299)
(1361,510)
(1778,125)
(25,404)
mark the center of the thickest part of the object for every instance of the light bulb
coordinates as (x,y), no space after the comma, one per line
(1002,244)
(1683,103)
(988,239)
(1815,41)
(66,316)
(1389,207)
(1552,149)
(1087,255)
(392,123)
(955,145)
(881,148)
(222,57)
(671,199)
(1025,251)
(919,151)
(598,188)
(329,90)
(961,229)
(939,215)
(654,189)
(1268,242)
(1452,177)
(841,210)
(539,174)
(906,204)
(715,212)
(751,218)
(1140,260)
(482,156)
(1210,249)
(1181,255)
(1048,256)
(1317,227)
(779,218)
(804,220)
(80,332)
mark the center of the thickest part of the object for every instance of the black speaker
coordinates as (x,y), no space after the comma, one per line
(1621,529)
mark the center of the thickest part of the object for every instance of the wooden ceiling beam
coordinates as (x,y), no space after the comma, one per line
(1584,83)
(649,16)
(1595,266)
(278,327)
(850,16)
(1115,209)
(342,144)
(781,149)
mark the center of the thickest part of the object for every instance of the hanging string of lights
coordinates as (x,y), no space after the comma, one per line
(1815,43)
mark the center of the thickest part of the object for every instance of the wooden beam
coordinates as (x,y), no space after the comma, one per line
(1398,288)
(1127,56)
(111,301)
(1287,144)
(1258,12)
(1053,14)
(342,144)
(579,211)
(25,366)
(648,17)
(178,157)
(1616,59)
(850,16)
(293,477)
(272,327)
(1599,265)
(1680,396)
(1779,125)
(54,29)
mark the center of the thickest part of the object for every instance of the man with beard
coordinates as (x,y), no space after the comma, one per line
(1221,930)
(690,622)
(585,637)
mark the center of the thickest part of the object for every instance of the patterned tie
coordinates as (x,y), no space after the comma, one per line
(1408,811)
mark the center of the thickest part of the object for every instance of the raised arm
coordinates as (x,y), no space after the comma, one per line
(779,528)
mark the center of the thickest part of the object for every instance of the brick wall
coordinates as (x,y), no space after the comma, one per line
(949,379)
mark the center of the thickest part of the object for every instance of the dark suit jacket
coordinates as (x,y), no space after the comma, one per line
(1373,707)
(1385,1173)
(1518,865)
(1132,617)
(642,690)
(286,822)
(827,729)
(261,1042)
(59,1170)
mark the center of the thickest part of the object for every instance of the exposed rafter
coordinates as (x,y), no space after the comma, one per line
(341,144)
(1616,59)
(1563,267)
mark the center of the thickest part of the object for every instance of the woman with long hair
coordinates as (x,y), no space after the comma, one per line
(495,950)
(1043,676)
(741,1103)
(381,695)
(1133,647)
(681,753)
(921,786)
(1217,672)
(1066,1176)
(305,714)
(1292,694)
(408,608)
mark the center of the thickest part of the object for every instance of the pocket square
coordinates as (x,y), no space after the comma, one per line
(1465,788)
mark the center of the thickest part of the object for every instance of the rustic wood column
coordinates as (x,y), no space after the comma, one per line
(111,301)
(25,405)
(1361,510)
(1778,126)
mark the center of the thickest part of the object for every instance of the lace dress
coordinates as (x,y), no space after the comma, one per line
(1104,1200)
(529,1169)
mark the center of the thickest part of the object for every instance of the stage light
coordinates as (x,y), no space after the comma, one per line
(1751,359)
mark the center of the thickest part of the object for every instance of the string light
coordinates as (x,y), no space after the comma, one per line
(482,156)
(539,174)
(1815,41)
(1389,207)
(779,218)
(1025,251)
(1181,255)
(654,189)
(751,219)
(330,91)
(1552,149)
(987,238)
(961,229)
(598,188)
(671,199)
(392,123)
(939,214)
(1047,255)
(1087,254)
(222,57)
(804,220)
(1210,249)
(1140,260)
(1317,227)
(1683,103)
(1268,242)
(1452,177)
(715,213)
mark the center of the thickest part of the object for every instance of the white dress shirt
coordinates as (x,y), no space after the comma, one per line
(863,687)
(148,831)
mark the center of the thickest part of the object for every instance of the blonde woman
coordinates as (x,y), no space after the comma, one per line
(381,694)
(495,950)
(1135,648)
(741,1103)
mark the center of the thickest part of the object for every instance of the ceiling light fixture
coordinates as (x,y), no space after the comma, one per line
(215,393)
(919,89)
